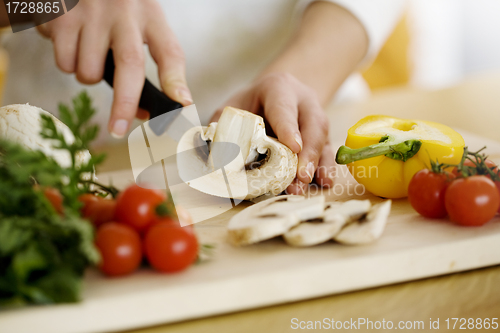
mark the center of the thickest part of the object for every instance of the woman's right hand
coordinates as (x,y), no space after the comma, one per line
(83,36)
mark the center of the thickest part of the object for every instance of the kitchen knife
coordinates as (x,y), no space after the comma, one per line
(152,100)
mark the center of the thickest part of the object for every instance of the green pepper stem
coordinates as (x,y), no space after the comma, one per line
(388,146)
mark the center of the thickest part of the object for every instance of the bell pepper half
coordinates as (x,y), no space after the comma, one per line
(383,153)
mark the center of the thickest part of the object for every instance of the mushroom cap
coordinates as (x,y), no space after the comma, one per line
(273,176)
(21,123)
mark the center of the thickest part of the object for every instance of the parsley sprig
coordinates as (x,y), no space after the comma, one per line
(43,254)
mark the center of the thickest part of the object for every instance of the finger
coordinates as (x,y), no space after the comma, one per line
(245,100)
(44,29)
(92,50)
(65,40)
(314,130)
(216,116)
(281,112)
(168,55)
(142,114)
(128,79)
(296,187)
(326,171)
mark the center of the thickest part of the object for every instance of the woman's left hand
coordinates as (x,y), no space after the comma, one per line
(294,114)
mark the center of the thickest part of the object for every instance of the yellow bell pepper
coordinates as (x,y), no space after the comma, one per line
(383,153)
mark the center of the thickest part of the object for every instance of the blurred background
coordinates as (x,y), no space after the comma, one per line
(436,44)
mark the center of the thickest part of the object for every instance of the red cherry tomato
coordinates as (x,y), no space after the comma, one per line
(55,198)
(165,219)
(86,199)
(170,248)
(136,206)
(497,183)
(426,193)
(472,201)
(100,211)
(120,248)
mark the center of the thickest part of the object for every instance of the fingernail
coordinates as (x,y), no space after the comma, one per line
(120,128)
(310,171)
(185,96)
(298,139)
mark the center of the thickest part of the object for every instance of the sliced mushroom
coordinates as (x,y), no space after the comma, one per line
(367,229)
(342,213)
(261,165)
(21,123)
(336,216)
(273,217)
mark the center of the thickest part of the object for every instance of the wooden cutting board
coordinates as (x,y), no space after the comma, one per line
(270,272)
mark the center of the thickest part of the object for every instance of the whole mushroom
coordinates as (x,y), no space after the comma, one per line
(21,123)
(262,165)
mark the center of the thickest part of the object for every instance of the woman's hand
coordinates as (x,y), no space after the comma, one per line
(83,36)
(296,118)
(289,93)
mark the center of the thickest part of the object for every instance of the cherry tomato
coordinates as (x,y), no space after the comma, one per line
(136,206)
(120,248)
(472,201)
(86,199)
(165,219)
(55,198)
(497,183)
(426,193)
(170,248)
(101,211)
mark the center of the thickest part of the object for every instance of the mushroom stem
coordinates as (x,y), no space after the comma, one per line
(241,128)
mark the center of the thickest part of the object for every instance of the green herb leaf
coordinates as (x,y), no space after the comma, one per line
(43,255)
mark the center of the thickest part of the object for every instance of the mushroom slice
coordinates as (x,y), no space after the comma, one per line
(310,233)
(345,212)
(367,229)
(21,123)
(262,165)
(271,218)
(336,216)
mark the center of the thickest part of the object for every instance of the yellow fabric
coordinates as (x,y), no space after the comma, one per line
(391,67)
(4,67)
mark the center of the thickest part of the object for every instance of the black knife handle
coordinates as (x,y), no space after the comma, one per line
(152,100)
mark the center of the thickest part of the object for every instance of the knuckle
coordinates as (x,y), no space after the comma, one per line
(169,52)
(281,78)
(125,4)
(153,8)
(310,92)
(175,51)
(124,104)
(132,56)
(323,125)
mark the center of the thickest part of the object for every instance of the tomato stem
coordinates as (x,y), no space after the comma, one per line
(108,189)
(388,146)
